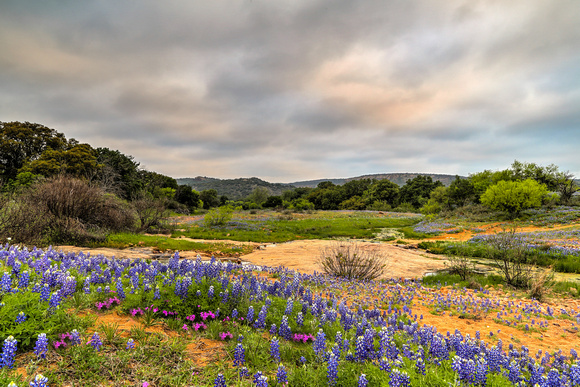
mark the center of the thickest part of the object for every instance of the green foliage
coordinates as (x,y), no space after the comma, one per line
(218,217)
(187,196)
(119,174)
(78,161)
(23,142)
(514,196)
(38,319)
(209,198)
(418,190)
(383,191)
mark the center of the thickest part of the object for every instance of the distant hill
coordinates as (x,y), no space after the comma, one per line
(234,189)
(397,178)
(240,188)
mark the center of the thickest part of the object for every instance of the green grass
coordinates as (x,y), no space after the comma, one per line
(124,240)
(355,225)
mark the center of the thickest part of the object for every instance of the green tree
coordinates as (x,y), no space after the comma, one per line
(418,190)
(119,174)
(382,191)
(460,192)
(259,195)
(513,197)
(187,196)
(273,201)
(23,142)
(79,161)
(209,197)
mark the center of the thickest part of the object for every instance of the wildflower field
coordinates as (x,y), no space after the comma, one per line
(81,320)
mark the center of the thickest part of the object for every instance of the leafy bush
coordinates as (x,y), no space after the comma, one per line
(352,261)
(218,217)
(514,196)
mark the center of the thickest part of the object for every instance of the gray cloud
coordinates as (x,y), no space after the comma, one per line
(292,90)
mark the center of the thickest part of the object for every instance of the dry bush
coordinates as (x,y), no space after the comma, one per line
(151,212)
(540,283)
(351,260)
(64,209)
(512,258)
(462,266)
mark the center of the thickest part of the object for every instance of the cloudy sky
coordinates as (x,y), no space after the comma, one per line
(300,89)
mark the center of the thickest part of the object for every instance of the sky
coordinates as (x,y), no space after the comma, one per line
(300,89)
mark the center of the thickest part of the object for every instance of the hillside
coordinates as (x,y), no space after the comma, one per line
(397,178)
(234,189)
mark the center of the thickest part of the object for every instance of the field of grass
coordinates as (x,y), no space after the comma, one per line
(275,227)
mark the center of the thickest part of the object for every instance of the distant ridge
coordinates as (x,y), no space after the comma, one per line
(397,178)
(236,189)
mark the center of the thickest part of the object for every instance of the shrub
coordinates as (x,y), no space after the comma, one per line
(462,266)
(218,217)
(64,209)
(512,258)
(514,196)
(150,212)
(351,260)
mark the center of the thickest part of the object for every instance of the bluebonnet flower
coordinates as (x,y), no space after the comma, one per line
(20,318)
(120,290)
(96,342)
(260,322)
(420,366)
(130,344)
(24,279)
(284,329)
(45,293)
(260,380)
(244,372)
(273,329)
(281,375)
(362,381)
(156,294)
(360,352)
(210,292)
(275,349)
(220,381)
(289,306)
(41,347)
(39,381)
(300,319)
(239,355)
(250,315)
(75,337)
(54,301)
(6,282)
(574,373)
(8,352)
(319,344)
(302,360)
(332,372)
(399,379)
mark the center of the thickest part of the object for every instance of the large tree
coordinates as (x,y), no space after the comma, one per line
(23,142)
(418,190)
